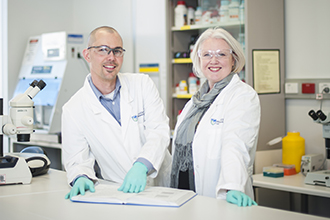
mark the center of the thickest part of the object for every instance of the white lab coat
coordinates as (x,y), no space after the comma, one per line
(225,141)
(90,132)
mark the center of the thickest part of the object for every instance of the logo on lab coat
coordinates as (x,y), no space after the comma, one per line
(135,117)
(216,122)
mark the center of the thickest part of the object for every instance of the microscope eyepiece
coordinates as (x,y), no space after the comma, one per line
(313,114)
(321,115)
(41,84)
(34,83)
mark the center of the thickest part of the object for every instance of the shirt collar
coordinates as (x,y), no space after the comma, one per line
(97,92)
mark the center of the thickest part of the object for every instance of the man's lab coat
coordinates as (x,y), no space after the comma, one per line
(90,132)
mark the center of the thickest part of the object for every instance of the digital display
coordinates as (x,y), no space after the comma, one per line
(41,70)
(53,52)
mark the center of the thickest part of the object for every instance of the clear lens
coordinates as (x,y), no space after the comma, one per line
(219,54)
(105,50)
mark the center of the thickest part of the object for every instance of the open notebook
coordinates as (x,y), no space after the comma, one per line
(151,196)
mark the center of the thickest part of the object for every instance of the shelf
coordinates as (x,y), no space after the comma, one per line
(204,26)
(182,60)
(182,96)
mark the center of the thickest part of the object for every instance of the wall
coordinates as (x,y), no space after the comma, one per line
(34,17)
(88,15)
(307,56)
(28,18)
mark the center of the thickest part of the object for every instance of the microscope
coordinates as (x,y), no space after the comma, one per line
(14,169)
(321,177)
(321,118)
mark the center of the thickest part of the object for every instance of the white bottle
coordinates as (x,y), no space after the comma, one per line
(192,82)
(224,11)
(191,16)
(234,10)
(183,87)
(206,17)
(180,12)
(198,15)
(242,12)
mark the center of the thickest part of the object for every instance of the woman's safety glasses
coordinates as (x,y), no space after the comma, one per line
(104,50)
(218,54)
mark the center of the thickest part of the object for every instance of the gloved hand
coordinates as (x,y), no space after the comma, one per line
(80,186)
(136,179)
(239,198)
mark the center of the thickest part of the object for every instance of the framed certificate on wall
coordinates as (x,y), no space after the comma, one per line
(266,71)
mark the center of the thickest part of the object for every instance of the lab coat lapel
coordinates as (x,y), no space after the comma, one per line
(97,108)
(126,109)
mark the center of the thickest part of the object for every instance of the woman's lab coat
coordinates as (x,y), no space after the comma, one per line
(90,132)
(225,141)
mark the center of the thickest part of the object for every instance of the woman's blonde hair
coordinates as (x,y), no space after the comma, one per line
(218,33)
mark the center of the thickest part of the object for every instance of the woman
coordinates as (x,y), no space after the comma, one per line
(216,134)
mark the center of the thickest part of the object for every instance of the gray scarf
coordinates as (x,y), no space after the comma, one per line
(183,159)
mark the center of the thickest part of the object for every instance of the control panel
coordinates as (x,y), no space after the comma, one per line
(307,89)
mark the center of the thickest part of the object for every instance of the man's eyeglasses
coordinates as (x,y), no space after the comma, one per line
(104,50)
(219,54)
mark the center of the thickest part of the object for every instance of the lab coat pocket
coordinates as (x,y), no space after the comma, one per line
(211,177)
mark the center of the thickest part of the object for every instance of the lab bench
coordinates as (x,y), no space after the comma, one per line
(291,193)
(44,199)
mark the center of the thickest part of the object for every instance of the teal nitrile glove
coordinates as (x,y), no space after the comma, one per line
(80,186)
(239,198)
(136,179)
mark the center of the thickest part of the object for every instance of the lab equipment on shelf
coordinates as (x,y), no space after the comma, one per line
(56,58)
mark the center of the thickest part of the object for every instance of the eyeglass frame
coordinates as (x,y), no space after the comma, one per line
(110,49)
(213,54)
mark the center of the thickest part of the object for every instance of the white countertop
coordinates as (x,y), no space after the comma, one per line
(294,183)
(44,199)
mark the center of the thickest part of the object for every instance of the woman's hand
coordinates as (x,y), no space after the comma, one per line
(239,198)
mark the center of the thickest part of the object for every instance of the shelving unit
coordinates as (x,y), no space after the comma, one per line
(181,67)
(263,29)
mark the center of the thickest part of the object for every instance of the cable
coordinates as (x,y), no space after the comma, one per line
(84,61)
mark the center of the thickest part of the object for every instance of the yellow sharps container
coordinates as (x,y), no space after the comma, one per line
(293,148)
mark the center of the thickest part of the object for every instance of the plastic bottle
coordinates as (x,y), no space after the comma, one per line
(293,148)
(234,10)
(179,11)
(205,5)
(192,42)
(242,12)
(177,88)
(198,15)
(224,11)
(183,87)
(206,17)
(192,82)
(191,15)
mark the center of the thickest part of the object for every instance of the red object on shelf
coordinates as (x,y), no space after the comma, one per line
(290,171)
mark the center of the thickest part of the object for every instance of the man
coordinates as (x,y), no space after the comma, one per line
(117,120)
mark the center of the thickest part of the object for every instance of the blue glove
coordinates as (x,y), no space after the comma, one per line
(79,186)
(136,179)
(239,198)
